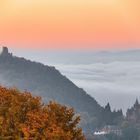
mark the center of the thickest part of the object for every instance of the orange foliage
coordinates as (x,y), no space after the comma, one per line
(24,117)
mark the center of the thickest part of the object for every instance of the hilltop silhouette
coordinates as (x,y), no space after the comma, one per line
(47,82)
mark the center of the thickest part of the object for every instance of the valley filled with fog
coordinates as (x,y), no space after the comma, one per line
(107,76)
(115,82)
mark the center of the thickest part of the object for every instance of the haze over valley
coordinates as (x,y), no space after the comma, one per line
(108,76)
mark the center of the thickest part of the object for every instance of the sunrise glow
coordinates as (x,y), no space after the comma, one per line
(68,23)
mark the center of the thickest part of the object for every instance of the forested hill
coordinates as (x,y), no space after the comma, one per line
(48,83)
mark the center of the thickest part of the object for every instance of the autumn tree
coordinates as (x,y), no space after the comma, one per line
(25,117)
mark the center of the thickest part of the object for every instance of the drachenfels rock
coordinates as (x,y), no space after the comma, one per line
(5,52)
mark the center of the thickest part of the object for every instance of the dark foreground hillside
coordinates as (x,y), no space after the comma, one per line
(48,83)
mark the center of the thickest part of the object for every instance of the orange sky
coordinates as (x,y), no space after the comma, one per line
(69,23)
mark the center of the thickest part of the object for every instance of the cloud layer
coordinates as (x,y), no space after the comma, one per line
(117,82)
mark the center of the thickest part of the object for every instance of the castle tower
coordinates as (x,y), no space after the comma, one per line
(136,105)
(5,52)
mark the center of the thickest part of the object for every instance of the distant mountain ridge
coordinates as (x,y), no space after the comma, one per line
(90,57)
(78,57)
(47,82)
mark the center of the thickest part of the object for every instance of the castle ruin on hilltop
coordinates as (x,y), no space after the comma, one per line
(5,52)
